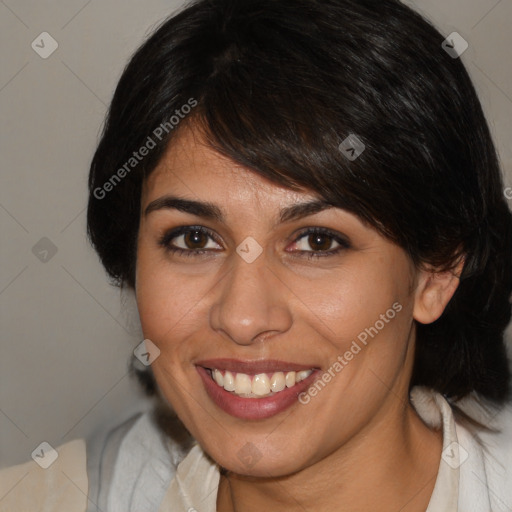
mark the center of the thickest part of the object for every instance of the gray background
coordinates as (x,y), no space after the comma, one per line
(67,334)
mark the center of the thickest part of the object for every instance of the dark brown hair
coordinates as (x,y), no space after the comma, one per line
(278,86)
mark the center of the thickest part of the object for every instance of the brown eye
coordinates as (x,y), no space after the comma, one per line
(190,240)
(317,242)
(195,240)
(320,241)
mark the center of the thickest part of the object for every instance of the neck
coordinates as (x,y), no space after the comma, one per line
(391,465)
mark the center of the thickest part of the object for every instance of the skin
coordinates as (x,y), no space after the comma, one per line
(360,432)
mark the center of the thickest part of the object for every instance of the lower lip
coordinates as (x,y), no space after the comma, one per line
(253,408)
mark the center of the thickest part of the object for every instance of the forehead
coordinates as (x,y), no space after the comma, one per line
(191,167)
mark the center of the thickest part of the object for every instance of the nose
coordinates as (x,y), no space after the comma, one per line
(251,302)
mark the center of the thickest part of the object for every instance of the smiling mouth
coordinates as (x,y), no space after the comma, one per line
(255,390)
(261,385)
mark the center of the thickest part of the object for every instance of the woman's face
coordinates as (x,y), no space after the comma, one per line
(256,292)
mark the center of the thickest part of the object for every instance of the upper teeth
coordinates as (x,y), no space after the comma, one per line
(259,385)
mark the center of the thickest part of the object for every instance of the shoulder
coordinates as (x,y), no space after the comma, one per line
(56,479)
(127,467)
(497,448)
(491,471)
(476,462)
(131,466)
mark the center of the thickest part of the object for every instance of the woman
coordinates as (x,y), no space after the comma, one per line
(306,200)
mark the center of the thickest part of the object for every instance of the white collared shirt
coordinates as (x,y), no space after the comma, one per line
(150,474)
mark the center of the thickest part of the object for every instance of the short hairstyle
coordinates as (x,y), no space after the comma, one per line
(277,86)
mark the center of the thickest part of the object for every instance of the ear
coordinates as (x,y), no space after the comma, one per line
(433,292)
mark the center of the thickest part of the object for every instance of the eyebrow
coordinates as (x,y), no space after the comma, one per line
(209,210)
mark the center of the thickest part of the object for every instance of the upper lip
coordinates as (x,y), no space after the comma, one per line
(253,367)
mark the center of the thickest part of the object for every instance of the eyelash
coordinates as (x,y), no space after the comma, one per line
(165,241)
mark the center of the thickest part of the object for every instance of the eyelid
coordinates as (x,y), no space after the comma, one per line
(165,239)
(338,237)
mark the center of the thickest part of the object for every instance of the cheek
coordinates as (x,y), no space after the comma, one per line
(165,306)
(353,299)
(161,297)
(172,305)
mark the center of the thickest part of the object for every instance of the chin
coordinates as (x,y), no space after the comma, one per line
(252,461)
